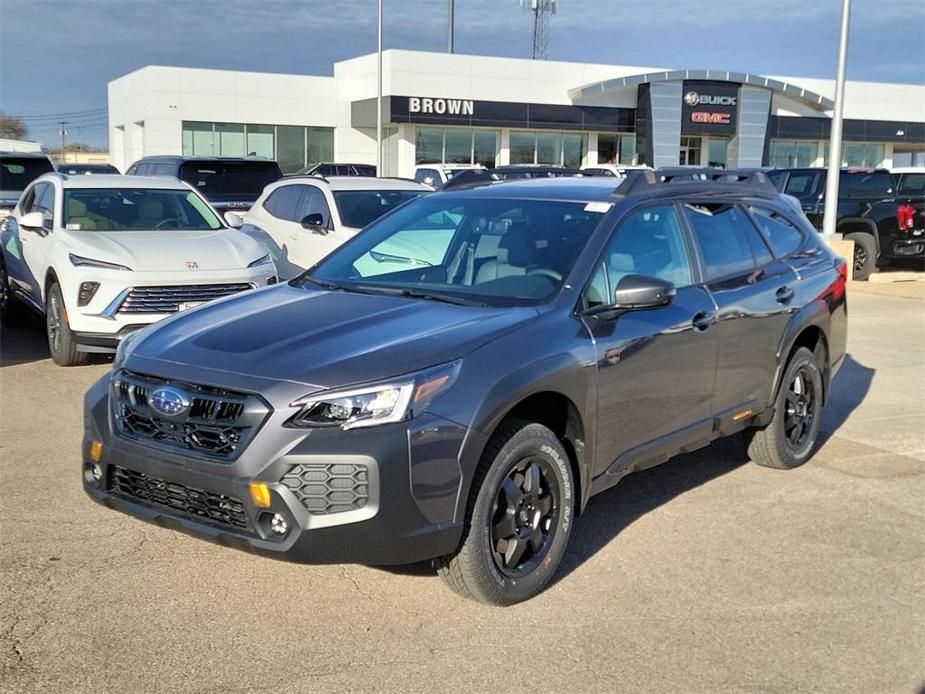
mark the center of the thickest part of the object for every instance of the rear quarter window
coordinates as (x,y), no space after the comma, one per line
(783,237)
(875,184)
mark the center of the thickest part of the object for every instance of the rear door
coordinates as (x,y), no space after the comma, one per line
(755,295)
(275,224)
(655,367)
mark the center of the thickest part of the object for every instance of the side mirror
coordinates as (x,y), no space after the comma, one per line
(429,181)
(33,221)
(233,219)
(642,291)
(313,221)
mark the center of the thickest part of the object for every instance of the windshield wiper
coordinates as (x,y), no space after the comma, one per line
(418,294)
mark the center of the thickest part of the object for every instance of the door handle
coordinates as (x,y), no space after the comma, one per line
(783,295)
(703,320)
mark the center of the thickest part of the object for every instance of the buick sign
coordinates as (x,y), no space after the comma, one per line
(696,99)
(168,401)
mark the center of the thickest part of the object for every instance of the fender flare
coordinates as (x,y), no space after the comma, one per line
(863,221)
(815,314)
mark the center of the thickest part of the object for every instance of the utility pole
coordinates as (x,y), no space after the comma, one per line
(62,128)
(542,10)
(450,47)
(379,97)
(831,184)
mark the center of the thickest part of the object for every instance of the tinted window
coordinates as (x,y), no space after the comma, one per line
(283,203)
(800,184)
(783,237)
(128,209)
(912,184)
(358,208)
(313,202)
(775,177)
(246,179)
(865,185)
(649,242)
(422,176)
(18,172)
(721,231)
(164,170)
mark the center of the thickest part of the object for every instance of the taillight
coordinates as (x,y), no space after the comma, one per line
(905,214)
(842,268)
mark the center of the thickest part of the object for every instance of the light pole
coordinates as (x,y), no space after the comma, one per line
(831,184)
(450,47)
(379,97)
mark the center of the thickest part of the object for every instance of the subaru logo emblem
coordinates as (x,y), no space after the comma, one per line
(168,401)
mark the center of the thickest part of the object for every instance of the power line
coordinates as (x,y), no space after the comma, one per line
(72,114)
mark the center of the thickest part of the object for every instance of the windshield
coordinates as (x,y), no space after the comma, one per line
(484,250)
(912,184)
(245,179)
(358,208)
(130,209)
(18,172)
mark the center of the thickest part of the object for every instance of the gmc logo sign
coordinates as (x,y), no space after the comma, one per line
(704,117)
(454,107)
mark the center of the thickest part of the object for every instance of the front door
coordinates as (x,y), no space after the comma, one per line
(33,244)
(690,151)
(655,367)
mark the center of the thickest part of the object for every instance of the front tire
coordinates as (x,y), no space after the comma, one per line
(12,313)
(865,255)
(518,519)
(788,441)
(61,343)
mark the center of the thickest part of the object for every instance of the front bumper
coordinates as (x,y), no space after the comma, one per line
(909,247)
(412,474)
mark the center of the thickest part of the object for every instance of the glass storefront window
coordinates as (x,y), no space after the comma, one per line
(197,139)
(690,150)
(320,145)
(457,146)
(485,147)
(229,138)
(574,147)
(523,147)
(718,155)
(549,148)
(628,149)
(260,140)
(783,154)
(613,148)
(428,145)
(290,148)
(862,154)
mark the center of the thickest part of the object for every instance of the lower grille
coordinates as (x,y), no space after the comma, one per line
(323,489)
(199,504)
(168,299)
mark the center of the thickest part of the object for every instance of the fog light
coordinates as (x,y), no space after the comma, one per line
(96,451)
(260,494)
(93,474)
(278,524)
(87,292)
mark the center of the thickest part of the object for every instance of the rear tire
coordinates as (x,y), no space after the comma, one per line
(12,313)
(865,255)
(788,441)
(61,343)
(518,519)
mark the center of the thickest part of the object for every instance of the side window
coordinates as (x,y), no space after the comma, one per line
(25,204)
(428,176)
(720,230)
(776,177)
(865,185)
(800,184)
(912,184)
(283,203)
(648,242)
(313,202)
(781,235)
(163,170)
(44,202)
(132,170)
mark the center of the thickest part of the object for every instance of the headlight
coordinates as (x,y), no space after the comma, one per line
(77,261)
(368,406)
(265,260)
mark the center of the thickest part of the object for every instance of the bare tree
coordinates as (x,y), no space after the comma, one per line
(11,127)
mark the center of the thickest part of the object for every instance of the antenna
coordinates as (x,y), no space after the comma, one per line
(542,10)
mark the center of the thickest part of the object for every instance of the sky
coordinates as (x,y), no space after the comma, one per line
(56,56)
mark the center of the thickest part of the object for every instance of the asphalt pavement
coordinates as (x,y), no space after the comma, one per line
(707,574)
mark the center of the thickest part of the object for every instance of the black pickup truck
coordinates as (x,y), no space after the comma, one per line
(884,218)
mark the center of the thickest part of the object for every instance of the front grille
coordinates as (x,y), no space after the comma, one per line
(217,424)
(217,509)
(329,488)
(169,299)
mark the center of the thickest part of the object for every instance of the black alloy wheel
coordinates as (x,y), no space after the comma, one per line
(800,410)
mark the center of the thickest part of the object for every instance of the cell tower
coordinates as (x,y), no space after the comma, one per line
(542,10)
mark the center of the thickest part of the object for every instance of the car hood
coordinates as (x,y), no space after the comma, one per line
(167,250)
(322,339)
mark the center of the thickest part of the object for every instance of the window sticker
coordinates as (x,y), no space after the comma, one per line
(598,206)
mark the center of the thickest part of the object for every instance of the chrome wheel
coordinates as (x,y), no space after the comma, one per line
(524,517)
(860,257)
(800,410)
(53,320)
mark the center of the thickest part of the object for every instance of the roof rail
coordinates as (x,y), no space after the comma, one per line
(638,180)
(470,178)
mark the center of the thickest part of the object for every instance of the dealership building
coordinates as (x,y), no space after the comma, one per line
(440,107)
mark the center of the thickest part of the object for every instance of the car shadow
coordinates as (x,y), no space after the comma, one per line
(609,513)
(28,343)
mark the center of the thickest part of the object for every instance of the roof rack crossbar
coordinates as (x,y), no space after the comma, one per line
(639,180)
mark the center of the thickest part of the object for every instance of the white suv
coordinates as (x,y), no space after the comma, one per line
(100,256)
(300,219)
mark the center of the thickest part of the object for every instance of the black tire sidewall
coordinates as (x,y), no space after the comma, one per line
(532,440)
(802,358)
(866,241)
(65,355)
